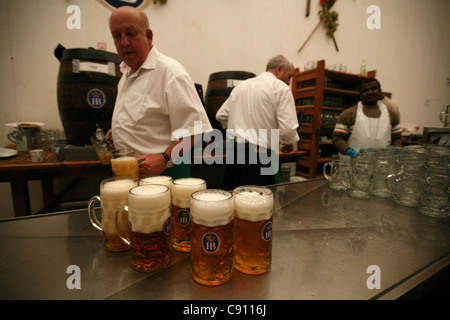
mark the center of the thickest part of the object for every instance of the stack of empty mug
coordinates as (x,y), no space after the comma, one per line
(413,176)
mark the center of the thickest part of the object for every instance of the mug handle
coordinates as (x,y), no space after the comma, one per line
(92,213)
(122,210)
(12,136)
(328,164)
(390,182)
(443,116)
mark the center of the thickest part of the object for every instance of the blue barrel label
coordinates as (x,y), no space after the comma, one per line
(267,231)
(210,242)
(96,98)
(114,4)
(183,217)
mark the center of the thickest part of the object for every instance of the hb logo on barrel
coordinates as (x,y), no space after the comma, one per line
(96,98)
(113,4)
(210,242)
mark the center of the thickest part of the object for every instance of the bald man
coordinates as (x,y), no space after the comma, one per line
(156,96)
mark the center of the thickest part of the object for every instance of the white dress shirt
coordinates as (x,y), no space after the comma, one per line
(263,102)
(152,103)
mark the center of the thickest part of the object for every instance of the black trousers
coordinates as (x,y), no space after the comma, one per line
(249,173)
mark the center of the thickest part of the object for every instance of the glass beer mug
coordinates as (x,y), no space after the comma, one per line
(383,165)
(434,197)
(212,213)
(360,177)
(339,171)
(405,185)
(253,208)
(124,164)
(182,189)
(113,193)
(149,219)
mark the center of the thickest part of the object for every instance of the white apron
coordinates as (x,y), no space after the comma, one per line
(371,132)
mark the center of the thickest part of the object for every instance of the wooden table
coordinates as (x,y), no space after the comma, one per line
(19,170)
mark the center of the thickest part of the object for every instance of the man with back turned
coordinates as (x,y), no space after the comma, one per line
(255,109)
(156,96)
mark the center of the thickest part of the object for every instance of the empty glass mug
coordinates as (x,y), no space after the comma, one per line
(435,193)
(339,171)
(360,177)
(405,185)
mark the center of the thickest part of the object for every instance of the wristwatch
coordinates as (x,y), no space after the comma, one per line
(169,162)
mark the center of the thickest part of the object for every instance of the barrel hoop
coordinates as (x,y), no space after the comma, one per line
(70,114)
(85,77)
(239,75)
(218,92)
(91,55)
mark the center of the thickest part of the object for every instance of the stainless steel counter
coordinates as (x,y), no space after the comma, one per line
(323,244)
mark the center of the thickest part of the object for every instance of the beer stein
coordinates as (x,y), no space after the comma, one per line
(149,219)
(339,171)
(212,213)
(435,189)
(383,166)
(102,147)
(113,193)
(124,164)
(360,177)
(405,185)
(253,208)
(26,136)
(182,189)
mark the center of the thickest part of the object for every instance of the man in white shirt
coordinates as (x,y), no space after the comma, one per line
(156,97)
(256,109)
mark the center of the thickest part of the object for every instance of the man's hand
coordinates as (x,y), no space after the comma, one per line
(352,153)
(286,148)
(109,137)
(151,165)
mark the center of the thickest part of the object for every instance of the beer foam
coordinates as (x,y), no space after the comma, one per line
(212,208)
(117,186)
(149,208)
(113,194)
(183,188)
(253,204)
(164,180)
(124,159)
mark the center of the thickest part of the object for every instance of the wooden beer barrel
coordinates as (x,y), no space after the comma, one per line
(86,90)
(220,85)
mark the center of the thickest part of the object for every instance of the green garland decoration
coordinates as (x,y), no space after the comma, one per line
(329,18)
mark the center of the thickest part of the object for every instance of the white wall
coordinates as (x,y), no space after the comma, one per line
(410,52)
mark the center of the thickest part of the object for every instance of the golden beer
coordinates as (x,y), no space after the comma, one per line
(113,193)
(149,219)
(212,236)
(124,164)
(182,189)
(253,207)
